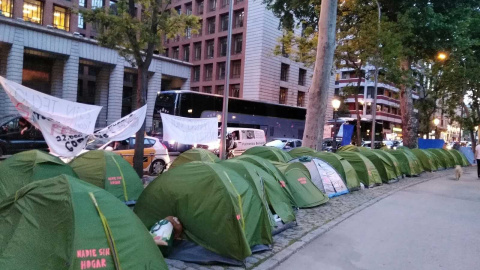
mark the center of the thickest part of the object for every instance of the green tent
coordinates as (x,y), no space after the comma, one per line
(435,160)
(299,182)
(452,159)
(266,185)
(269,153)
(446,160)
(272,170)
(406,163)
(425,159)
(343,167)
(301,151)
(195,154)
(384,167)
(219,210)
(109,171)
(439,158)
(365,169)
(29,166)
(65,223)
(349,148)
(394,161)
(460,157)
(416,162)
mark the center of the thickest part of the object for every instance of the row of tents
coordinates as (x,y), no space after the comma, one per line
(228,209)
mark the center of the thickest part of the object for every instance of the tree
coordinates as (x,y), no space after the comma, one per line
(136,39)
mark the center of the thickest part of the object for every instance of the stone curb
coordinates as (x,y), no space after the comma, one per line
(283,255)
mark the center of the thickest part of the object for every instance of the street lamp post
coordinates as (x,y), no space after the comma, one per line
(436,121)
(335,105)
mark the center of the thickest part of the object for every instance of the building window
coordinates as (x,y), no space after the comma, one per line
(234,90)
(188,33)
(301,99)
(208,72)
(175,52)
(207,89)
(188,9)
(82,3)
(33,11)
(238,18)
(282,98)
(302,74)
(223,22)
(166,52)
(81,22)
(284,72)
(97,4)
(6,8)
(186,53)
(195,89)
(222,43)
(200,29)
(198,50)
(178,10)
(221,70)
(211,25)
(238,1)
(210,49)
(219,89)
(114,7)
(237,43)
(236,67)
(212,4)
(200,7)
(196,73)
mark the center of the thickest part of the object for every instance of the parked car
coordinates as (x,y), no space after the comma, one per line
(13,140)
(328,144)
(155,159)
(286,144)
(368,144)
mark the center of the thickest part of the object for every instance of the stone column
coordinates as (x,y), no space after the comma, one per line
(70,74)
(12,69)
(57,77)
(115,92)
(154,86)
(101,95)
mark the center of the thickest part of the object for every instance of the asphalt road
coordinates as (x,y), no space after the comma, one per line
(433,225)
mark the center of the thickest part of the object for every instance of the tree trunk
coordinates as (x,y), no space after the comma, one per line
(318,93)
(142,83)
(374,107)
(358,127)
(409,121)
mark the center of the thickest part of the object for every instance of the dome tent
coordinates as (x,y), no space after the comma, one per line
(460,157)
(425,159)
(366,171)
(343,167)
(269,153)
(392,159)
(63,221)
(417,164)
(451,158)
(195,154)
(298,179)
(301,151)
(218,209)
(266,185)
(384,167)
(324,176)
(441,157)
(108,170)
(29,166)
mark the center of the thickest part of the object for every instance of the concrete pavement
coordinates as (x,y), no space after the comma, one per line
(432,225)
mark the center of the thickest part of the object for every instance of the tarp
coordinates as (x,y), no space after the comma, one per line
(301,151)
(189,130)
(324,176)
(219,210)
(268,152)
(430,143)
(109,171)
(65,223)
(365,169)
(384,167)
(195,154)
(468,153)
(347,134)
(343,167)
(299,181)
(29,166)
(266,185)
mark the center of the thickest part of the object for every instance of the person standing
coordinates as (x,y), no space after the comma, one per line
(477,157)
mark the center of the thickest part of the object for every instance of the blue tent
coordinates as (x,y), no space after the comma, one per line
(467,151)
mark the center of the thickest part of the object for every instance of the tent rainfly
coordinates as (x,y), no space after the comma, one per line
(425,159)
(269,153)
(343,167)
(365,169)
(195,154)
(301,151)
(384,167)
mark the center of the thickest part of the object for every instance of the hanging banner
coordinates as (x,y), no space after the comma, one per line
(77,116)
(124,127)
(189,130)
(347,134)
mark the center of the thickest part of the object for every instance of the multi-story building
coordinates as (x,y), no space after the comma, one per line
(256,73)
(45,46)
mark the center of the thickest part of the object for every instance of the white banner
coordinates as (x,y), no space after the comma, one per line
(77,116)
(189,130)
(124,127)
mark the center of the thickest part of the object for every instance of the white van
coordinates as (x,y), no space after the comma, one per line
(246,138)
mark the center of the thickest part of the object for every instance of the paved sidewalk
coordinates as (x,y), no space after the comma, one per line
(315,221)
